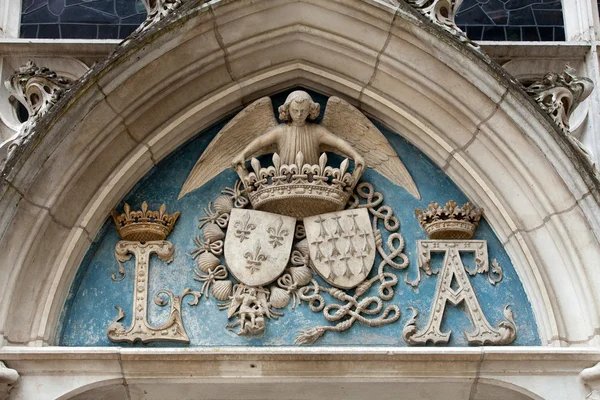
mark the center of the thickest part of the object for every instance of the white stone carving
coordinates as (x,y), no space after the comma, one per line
(299,186)
(249,305)
(144,232)
(156,11)
(9,378)
(140,329)
(263,235)
(369,311)
(255,131)
(443,14)
(559,95)
(342,246)
(449,221)
(453,286)
(249,252)
(38,89)
(591,378)
(299,190)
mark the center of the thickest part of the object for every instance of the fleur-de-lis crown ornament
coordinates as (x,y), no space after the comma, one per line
(144,225)
(450,222)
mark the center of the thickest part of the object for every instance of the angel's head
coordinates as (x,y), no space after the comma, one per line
(298,107)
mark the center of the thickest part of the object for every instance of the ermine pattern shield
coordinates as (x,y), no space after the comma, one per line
(342,246)
(258,245)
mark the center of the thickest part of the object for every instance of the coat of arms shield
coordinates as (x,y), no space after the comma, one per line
(258,245)
(342,246)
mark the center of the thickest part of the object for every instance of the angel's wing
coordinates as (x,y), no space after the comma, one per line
(251,122)
(345,121)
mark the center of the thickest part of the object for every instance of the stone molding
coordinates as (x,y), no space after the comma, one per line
(489,137)
(455,373)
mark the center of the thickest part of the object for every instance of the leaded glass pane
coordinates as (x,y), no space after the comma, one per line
(527,20)
(84,19)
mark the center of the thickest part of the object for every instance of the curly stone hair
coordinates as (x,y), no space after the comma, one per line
(299,96)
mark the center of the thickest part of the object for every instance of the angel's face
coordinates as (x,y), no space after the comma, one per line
(299,111)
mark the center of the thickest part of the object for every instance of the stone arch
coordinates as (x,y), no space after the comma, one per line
(346,390)
(208,60)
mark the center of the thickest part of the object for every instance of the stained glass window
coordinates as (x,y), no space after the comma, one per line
(526,20)
(115,19)
(84,19)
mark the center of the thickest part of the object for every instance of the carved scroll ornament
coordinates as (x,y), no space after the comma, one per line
(156,11)
(559,94)
(443,14)
(38,89)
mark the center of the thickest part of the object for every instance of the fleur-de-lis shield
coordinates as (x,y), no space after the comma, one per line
(258,245)
(342,246)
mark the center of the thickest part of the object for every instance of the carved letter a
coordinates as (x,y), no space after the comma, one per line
(453,268)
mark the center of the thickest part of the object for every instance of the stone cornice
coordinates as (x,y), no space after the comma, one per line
(524,368)
(583,355)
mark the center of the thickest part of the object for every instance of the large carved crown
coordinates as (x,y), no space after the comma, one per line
(299,190)
(144,225)
(450,222)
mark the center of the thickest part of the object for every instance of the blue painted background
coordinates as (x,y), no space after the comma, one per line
(90,306)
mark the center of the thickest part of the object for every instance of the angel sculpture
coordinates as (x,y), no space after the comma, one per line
(255,131)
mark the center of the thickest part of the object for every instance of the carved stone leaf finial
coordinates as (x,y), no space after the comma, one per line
(38,89)
(156,11)
(560,93)
(443,14)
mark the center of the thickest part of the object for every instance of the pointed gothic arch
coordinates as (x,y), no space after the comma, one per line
(210,59)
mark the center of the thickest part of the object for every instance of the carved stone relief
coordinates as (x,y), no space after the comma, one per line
(143,233)
(38,89)
(300,232)
(341,249)
(302,201)
(9,378)
(559,95)
(156,11)
(298,143)
(251,304)
(444,223)
(443,14)
(591,379)
(258,245)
